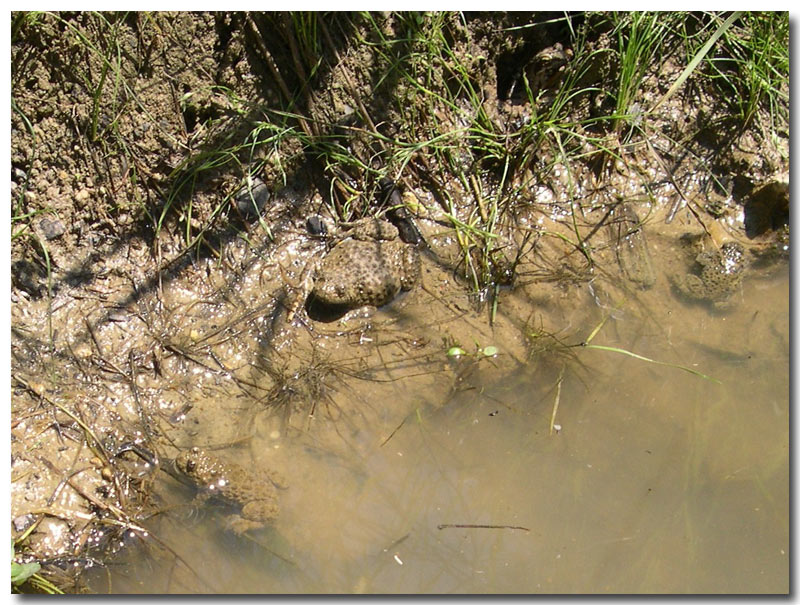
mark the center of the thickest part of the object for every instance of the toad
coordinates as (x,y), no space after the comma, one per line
(718,274)
(370,266)
(253,492)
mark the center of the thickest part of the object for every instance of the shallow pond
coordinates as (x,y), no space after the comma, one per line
(653,480)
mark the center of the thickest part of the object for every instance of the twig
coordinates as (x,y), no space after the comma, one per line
(472,526)
(558,399)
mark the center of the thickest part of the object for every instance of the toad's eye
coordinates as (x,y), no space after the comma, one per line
(191,465)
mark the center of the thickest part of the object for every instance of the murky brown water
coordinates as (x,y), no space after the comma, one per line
(658,480)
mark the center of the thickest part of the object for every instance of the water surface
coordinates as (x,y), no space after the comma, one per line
(656,480)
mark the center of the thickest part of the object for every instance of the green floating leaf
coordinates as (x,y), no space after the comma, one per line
(490,351)
(20,572)
(455,352)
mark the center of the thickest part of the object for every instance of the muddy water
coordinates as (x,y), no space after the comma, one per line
(655,479)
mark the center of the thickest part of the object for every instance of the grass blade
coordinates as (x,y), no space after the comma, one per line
(647,359)
(697,58)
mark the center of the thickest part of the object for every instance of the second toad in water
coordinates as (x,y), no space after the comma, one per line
(253,491)
(370,267)
(720,274)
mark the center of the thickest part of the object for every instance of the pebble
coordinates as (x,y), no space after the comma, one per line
(52,228)
(83,351)
(244,202)
(22,522)
(316,225)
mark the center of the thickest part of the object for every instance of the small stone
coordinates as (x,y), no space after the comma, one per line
(413,203)
(250,200)
(83,351)
(52,228)
(82,195)
(316,226)
(23,522)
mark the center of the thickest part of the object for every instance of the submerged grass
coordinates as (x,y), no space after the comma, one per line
(648,360)
(587,345)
